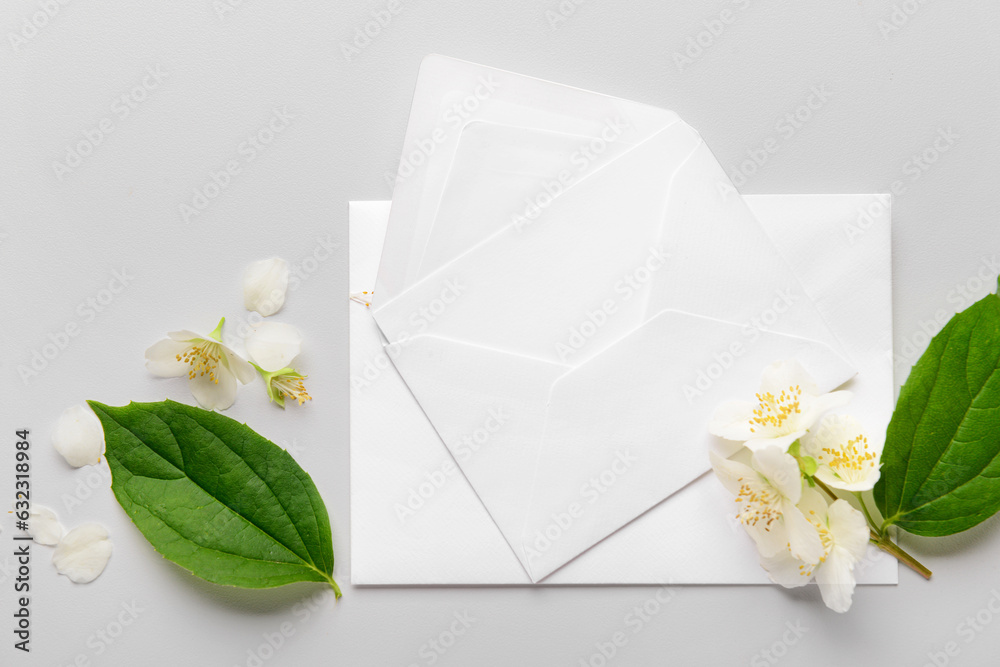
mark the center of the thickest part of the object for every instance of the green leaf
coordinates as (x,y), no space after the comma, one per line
(941,463)
(215,497)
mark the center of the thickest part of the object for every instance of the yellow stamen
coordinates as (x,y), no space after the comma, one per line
(758,504)
(851,459)
(290,386)
(202,357)
(773,411)
(364,298)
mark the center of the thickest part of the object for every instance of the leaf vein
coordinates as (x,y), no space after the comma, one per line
(226,505)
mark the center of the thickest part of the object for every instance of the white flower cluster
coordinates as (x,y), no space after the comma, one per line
(784,496)
(213,368)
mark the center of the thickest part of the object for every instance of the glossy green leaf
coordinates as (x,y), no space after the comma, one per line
(941,463)
(215,497)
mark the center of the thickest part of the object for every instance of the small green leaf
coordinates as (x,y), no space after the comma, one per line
(941,463)
(215,497)
(808,465)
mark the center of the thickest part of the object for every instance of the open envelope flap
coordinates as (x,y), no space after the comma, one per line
(624,430)
(583,265)
(507,174)
(449,94)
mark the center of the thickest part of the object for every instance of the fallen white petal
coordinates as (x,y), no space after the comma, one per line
(44,526)
(83,553)
(274,345)
(78,436)
(264,285)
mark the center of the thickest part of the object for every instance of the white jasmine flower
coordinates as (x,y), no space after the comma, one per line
(44,526)
(285,383)
(844,534)
(273,345)
(78,436)
(766,497)
(83,553)
(211,367)
(787,405)
(845,457)
(264,285)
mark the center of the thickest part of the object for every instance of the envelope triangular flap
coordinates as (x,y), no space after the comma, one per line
(723,265)
(487,415)
(627,428)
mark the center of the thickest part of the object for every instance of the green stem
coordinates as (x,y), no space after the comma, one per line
(883,543)
(336,588)
(868,516)
(333,585)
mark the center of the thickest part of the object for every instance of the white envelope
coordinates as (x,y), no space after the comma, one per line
(416,520)
(575,278)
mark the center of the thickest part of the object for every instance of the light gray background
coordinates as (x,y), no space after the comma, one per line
(890,95)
